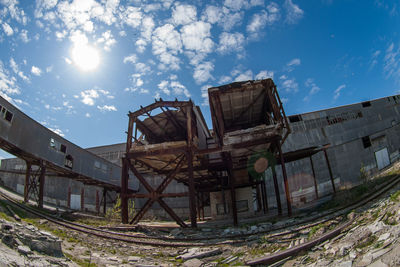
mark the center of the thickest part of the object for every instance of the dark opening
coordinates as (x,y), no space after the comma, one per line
(69,161)
(63,148)
(295,118)
(366,141)
(366,104)
(8,116)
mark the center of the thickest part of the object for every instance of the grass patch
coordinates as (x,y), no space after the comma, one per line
(395,196)
(80,262)
(314,229)
(368,242)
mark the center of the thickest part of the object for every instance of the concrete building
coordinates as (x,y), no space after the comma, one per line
(362,136)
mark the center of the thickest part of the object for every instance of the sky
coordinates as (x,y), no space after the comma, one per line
(78,67)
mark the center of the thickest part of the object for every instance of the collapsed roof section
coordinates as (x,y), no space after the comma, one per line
(247,105)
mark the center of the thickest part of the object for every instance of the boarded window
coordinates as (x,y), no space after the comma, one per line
(366,141)
(97,164)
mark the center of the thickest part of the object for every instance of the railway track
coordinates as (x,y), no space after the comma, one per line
(335,219)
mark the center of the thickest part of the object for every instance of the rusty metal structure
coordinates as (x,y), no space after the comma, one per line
(170,139)
(48,154)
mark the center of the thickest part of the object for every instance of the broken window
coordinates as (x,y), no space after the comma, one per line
(63,148)
(366,104)
(295,118)
(8,116)
(69,161)
(366,141)
(53,144)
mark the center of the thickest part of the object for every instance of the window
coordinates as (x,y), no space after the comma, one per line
(63,149)
(242,205)
(8,116)
(366,141)
(53,144)
(97,164)
(295,118)
(221,210)
(366,104)
(69,161)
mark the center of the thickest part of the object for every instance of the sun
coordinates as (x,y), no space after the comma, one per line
(85,57)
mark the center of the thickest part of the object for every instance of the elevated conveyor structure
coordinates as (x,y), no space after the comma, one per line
(27,139)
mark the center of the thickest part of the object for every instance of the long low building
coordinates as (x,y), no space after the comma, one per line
(342,144)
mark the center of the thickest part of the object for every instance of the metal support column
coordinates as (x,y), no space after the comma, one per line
(228,160)
(27,181)
(315,178)
(277,194)
(287,190)
(41,184)
(330,171)
(82,199)
(104,200)
(124,191)
(189,157)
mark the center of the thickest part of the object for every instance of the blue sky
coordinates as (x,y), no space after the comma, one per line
(79,66)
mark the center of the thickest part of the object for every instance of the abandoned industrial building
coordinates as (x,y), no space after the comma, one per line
(254,161)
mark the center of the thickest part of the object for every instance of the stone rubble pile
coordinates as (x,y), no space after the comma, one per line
(26,245)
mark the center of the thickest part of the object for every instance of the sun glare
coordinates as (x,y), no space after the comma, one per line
(85,57)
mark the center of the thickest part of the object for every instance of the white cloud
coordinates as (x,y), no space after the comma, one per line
(245,76)
(391,66)
(78,14)
(173,85)
(7,29)
(289,85)
(8,85)
(224,79)
(61,35)
(24,36)
(294,62)
(132,16)
(57,131)
(107,108)
(10,6)
(313,87)
(147,28)
(184,14)
(14,66)
(108,39)
(236,4)
(87,115)
(202,72)
(163,86)
(132,58)
(338,91)
(49,69)
(166,45)
(260,20)
(89,96)
(264,74)
(230,42)
(230,20)
(212,14)
(141,45)
(204,94)
(196,36)
(293,12)
(36,71)
(374,59)
(310,84)
(142,68)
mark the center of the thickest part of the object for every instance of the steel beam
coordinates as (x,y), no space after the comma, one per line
(330,171)
(287,190)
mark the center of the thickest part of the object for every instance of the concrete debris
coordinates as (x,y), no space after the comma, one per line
(199,253)
(193,263)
